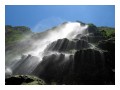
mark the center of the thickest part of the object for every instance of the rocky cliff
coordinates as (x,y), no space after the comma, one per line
(72,53)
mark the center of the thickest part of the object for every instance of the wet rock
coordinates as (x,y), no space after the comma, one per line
(109,45)
(81,44)
(91,37)
(59,45)
(90,68)
(65,45)
(56,67)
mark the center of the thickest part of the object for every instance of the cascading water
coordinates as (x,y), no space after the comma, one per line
(67,30)
(62,54)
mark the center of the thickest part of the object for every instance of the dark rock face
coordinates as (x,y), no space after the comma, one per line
(55,67)
(92,38)
(90,67)
(86,67)
(65,45)
(109,45)
(91,35)
(24,80)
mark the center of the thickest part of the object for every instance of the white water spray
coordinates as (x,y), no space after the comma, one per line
(68,30)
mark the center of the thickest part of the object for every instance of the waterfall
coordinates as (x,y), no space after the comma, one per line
(68,50)
(66,30)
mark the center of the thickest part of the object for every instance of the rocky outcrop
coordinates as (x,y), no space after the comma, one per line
(24,80)
(65,45)
(108,45)
(86,67)
(92,34)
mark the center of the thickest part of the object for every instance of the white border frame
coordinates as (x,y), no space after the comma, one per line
(60,2)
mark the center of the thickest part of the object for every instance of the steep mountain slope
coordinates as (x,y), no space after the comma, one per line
(14,34)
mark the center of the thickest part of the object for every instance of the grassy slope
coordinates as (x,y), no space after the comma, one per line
(14,34)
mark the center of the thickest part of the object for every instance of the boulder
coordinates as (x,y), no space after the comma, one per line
(24,80)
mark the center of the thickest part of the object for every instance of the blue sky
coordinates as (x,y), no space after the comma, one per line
(42,17)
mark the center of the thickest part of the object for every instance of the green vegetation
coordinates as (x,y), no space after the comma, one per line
(14,34)
(91,25)
(107,31)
